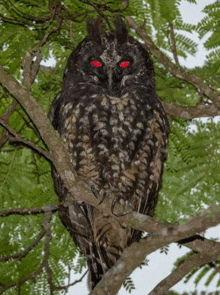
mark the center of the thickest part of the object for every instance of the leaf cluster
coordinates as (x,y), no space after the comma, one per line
(190,179)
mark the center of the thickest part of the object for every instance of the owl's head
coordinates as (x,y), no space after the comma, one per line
(112,60)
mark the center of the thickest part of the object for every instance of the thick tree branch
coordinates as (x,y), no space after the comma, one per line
(137,221)
(136,253)
(25,98)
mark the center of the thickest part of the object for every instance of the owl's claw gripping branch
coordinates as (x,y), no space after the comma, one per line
(92,187)
(119,214)
(103,198)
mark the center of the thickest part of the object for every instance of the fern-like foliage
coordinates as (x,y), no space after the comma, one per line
(128,285)
(209,26)
(191,180)
(208,272)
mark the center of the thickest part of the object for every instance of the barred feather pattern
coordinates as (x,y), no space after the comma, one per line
(117,140)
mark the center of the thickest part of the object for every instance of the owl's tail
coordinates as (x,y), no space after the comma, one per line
(99,261)
(109,241)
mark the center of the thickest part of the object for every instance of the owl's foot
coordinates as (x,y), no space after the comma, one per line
(119,214)
(92,187)
(103,198)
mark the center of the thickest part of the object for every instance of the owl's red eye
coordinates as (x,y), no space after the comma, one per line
(96,63)
(124,64)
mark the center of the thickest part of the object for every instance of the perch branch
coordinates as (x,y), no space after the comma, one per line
(132,257)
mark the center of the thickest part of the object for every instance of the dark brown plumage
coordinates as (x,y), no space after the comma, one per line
(116,131)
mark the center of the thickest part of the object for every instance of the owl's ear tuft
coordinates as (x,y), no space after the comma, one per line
(121,30)
(94,28)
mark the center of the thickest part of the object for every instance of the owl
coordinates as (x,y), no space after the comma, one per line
(116,131)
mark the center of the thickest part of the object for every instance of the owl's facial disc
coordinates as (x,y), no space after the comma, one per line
(109,65)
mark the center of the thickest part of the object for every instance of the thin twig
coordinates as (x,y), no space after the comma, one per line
(180,272)
(27,250)
(24,15)
(72,284)
(18,138)
(35,274)
(6,117)
(34,210)
(173,47)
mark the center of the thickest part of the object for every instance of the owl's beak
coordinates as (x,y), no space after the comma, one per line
(110,79)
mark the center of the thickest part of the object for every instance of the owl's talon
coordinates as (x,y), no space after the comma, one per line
(120,214)
(103,198)
(92,187)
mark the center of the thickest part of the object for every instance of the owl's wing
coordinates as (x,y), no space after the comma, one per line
(151,156)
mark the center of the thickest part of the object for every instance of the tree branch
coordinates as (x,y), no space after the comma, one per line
(137,221)
(71,284)
(6,117)
(42,209)
(132,257)
(44,264)
(173,47)
(27,250)
(189,113)
(178,72)
(180,272)
(34,275)
(47,69)
(30,68)
(18,138)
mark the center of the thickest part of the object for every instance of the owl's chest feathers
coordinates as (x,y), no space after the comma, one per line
(107,121)
(110,140)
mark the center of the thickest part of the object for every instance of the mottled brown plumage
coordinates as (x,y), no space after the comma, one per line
(116,131)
